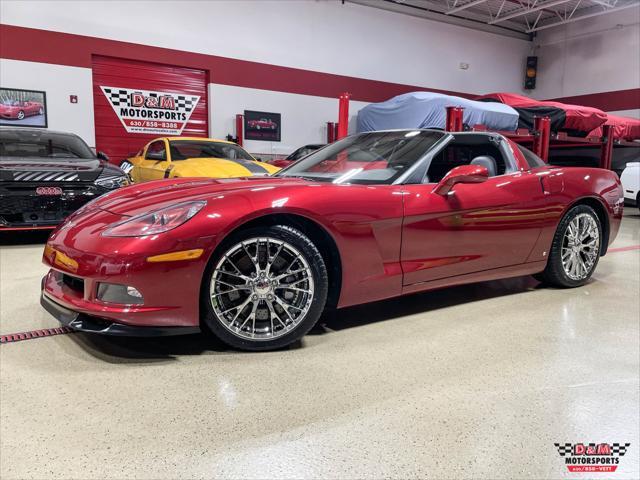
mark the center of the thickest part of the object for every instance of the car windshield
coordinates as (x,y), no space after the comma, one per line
(183,149)
(43,144)
(367,158)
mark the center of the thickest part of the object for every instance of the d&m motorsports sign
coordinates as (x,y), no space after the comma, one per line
(144,111)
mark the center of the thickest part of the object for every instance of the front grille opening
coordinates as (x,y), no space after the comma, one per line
(74,283)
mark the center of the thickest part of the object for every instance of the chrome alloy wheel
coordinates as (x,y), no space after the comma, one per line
(580,246)
(261,288)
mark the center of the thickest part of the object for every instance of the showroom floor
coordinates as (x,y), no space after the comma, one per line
(472,381)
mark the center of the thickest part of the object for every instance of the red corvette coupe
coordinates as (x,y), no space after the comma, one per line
(262,124)
(372,216)
(17,110)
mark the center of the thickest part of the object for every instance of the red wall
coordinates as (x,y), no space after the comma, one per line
(111,136)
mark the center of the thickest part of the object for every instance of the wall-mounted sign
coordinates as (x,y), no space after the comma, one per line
(23,108)
(145,111)
(262,126)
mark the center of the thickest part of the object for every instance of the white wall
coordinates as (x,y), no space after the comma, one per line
(599,54)
(303,117)
(59,82)
(321,35)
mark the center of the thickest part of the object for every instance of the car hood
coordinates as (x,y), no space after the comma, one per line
(49,169)
(222,168)
(147,196)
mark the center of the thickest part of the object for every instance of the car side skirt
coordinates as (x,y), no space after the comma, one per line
(482,276)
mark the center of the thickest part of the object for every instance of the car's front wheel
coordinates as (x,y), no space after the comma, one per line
(20,115)
(575,250)
(265,289)
(40,111)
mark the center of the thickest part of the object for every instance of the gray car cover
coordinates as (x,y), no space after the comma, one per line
(428,110)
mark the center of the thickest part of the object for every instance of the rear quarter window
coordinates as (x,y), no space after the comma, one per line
(532,159)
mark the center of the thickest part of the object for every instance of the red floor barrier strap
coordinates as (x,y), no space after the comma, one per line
(46,332)
(624,249)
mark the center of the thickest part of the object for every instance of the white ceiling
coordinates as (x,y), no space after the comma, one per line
(516,18)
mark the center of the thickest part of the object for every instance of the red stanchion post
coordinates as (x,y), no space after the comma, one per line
(331,132)
(343,115)
(239,127)
(542,135)
(454,119)
(606,150)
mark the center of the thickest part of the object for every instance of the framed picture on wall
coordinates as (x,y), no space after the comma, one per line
(262,126)
(23,108)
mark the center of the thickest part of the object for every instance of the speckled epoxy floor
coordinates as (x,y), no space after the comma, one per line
(474,381)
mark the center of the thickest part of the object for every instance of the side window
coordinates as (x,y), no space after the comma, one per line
(457,153)
(156,151)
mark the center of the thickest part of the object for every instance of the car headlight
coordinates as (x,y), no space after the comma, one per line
(158,221)
(112,181)
(126,166)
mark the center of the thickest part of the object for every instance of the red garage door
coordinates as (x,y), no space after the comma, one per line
(135,102)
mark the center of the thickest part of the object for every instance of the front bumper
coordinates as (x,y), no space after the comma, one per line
(87,323)
(81,261)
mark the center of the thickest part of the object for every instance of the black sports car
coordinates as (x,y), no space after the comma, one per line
(45,176)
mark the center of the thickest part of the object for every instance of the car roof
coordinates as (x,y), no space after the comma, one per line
(35,130)
(200,139)
(9,128)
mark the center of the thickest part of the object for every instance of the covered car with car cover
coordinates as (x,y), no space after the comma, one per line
(576,120)
(428,110)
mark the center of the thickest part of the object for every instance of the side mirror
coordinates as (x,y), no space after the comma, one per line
(461,174)
(102,156)
(157,156)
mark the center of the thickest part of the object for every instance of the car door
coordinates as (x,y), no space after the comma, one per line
(476,227)
(154,163)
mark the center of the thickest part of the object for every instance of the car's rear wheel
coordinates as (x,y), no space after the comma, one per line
(40,111)
(265,289)
(575,250)
(20,115)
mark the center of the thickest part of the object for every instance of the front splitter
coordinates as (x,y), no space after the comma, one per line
(88,323)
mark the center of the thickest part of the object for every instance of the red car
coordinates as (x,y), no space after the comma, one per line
(262,124)
(17,110)
(372,216)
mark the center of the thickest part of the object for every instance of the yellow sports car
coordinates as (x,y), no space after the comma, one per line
(171,157)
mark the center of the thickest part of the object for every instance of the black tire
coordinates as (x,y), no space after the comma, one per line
(555,273)
(20,115)
(40,111)
(315,302)
(638,201)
